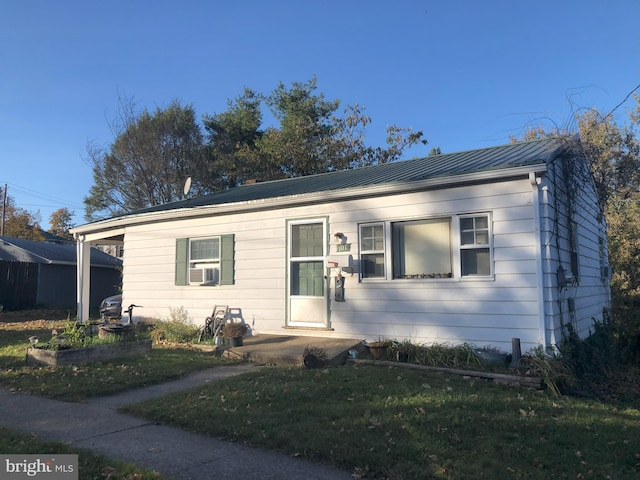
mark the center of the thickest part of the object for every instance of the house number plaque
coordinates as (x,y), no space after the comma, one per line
(343,247)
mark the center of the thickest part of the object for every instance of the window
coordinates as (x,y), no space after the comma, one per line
(430,248)
(422,249)
(604,269)
(573,246)
(205,261)
(475,248)
(372,257)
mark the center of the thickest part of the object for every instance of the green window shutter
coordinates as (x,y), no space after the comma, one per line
(226,259)
(182,261)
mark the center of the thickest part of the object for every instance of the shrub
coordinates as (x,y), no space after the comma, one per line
(178,329)
(444,355)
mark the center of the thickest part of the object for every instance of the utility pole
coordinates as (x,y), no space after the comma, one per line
(4,209)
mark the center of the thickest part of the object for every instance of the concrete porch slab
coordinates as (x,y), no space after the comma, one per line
(288,349)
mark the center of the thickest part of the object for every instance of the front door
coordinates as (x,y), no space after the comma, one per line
(307,291)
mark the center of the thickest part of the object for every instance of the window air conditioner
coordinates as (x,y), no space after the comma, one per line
(203,275)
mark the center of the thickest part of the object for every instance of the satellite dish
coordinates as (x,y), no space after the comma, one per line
(187,186)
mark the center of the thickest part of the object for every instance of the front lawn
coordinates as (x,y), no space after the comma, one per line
(75,383)
(394,423)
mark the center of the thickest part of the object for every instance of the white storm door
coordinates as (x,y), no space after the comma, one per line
(307,290)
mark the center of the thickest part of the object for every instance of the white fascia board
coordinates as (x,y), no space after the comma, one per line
(116,226)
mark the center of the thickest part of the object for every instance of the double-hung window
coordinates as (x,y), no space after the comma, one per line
(372,251)
(205,260)
(475,246)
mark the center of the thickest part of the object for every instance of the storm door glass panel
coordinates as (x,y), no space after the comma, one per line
(307,278)
(307,240)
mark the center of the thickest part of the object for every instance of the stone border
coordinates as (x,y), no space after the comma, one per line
(52,358)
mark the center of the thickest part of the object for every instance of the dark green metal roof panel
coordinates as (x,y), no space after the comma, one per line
(436,166)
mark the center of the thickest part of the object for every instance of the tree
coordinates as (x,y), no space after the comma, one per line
(612,152)
(60,223)
(149,161)
(232,141)
(20,223)
(311,137)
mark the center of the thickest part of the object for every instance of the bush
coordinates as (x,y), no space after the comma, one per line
(177,329)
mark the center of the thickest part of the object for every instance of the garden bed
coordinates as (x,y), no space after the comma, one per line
(41,356)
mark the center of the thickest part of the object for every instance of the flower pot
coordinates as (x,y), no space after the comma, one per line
(379,350)
(402,357)
(236,341)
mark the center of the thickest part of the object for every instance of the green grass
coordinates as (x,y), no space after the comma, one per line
(90,466)
(375,422)
(397,424)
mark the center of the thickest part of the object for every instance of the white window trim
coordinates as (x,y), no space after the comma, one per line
(205,263)
(461,247)
(456,249)
(387,245)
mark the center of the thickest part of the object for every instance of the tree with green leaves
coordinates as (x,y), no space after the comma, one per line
(311,136)
(149,161)
(232,142)
(153,153)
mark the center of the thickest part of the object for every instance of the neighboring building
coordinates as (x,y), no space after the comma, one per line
(44,274)
(480,247)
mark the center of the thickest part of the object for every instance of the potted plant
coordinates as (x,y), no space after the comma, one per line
(379,348)
(401,349)
(234,332)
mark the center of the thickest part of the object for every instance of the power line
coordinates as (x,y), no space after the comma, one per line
(625,99)
(41,196)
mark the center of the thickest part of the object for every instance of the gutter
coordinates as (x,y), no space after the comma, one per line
(308,198)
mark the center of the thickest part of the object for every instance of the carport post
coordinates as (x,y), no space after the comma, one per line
(83,254)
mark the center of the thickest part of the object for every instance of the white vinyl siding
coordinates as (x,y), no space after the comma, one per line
(475,309)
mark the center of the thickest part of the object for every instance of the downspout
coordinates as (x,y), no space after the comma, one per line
(542,322)
(82,257)
(549,267)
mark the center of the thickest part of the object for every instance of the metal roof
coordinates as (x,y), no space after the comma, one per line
(444,166)
(21,250)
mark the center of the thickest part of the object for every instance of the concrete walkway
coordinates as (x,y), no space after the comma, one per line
(96,425)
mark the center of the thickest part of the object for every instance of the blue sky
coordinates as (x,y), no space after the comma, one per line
(468,73)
